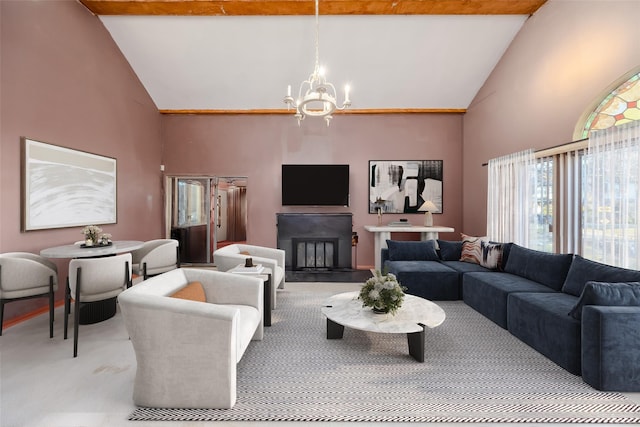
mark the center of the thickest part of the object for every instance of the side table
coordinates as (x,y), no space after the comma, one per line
(265,275)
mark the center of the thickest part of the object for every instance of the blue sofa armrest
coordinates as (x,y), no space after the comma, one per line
(611,347)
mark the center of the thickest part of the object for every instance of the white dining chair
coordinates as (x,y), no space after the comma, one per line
(91,280)
(156,257)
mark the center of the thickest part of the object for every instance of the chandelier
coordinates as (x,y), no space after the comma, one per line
(316,97)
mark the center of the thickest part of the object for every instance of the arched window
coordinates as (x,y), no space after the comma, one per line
(618,107)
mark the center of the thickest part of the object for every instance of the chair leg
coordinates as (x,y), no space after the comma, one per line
(127,277)
(51,306)
(1,315)
(144,271)
(67,307)
(76,316)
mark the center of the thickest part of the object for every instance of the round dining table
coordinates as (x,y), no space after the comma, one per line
(97,311)
(78,250)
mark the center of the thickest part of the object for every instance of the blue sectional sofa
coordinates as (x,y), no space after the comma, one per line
(583,315)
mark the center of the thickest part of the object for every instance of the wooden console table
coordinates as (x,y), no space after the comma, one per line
(382,233)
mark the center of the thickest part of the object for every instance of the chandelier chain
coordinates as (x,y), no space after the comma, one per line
(317,68)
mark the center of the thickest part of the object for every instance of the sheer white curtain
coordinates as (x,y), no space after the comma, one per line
(510,202)
(611,194)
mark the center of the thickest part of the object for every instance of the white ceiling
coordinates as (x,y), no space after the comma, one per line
(246,62)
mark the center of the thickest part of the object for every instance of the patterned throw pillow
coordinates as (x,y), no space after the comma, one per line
(491,255)
(471,249)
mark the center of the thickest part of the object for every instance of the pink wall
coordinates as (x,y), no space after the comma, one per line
(65,82)
(257,145)
(557,67)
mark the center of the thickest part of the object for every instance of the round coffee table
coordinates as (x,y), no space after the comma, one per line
(415,314)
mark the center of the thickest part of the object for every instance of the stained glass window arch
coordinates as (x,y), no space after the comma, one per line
(622,105)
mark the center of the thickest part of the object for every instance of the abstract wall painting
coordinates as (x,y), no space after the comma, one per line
(62,187)
(401,186)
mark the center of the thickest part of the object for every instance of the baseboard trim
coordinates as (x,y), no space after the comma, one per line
(30,315)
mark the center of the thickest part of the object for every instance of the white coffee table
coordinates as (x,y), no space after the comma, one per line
(415,314)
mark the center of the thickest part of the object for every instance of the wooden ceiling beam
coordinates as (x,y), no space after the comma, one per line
(307,7)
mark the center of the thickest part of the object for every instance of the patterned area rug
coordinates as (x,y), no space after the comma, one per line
(474,371)
(345,276)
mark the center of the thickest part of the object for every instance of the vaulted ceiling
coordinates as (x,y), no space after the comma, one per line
(240,55)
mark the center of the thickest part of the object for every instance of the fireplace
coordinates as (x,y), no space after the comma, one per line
(316,253)
(315,241)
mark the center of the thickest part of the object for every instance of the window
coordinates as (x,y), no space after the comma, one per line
(617,108)
(587,194)
(542,230)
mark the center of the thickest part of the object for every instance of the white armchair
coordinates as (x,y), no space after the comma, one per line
(230,256)
(25,275)
(187,349)
(155,257)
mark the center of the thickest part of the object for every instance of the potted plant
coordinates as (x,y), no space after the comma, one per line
(383,293)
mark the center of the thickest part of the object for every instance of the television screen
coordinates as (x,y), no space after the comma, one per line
(315,185)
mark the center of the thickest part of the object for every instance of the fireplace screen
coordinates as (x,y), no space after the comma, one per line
(315,253)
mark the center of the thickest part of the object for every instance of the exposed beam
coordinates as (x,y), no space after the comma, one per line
(307,7)
(356,111)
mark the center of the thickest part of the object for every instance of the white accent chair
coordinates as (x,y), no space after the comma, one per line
(91,280)
(230,256)
(24,275)
(187,350)
(156,257)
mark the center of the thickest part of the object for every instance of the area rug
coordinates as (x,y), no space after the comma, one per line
(336,276)
(474,371)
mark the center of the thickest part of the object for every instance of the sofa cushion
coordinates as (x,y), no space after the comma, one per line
(431,280)
(412,250)
(450,251)
(464,267)
(607,294)
(543,267)
(487,292)
(193,291)
(540,320)
(584,270)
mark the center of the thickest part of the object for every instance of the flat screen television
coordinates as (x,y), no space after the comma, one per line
(315,185)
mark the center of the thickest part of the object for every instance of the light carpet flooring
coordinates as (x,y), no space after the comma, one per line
(42,385)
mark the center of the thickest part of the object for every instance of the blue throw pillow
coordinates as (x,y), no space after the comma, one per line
(412,250)
(583,270)
(542,267)
(450,251)
(608,294)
